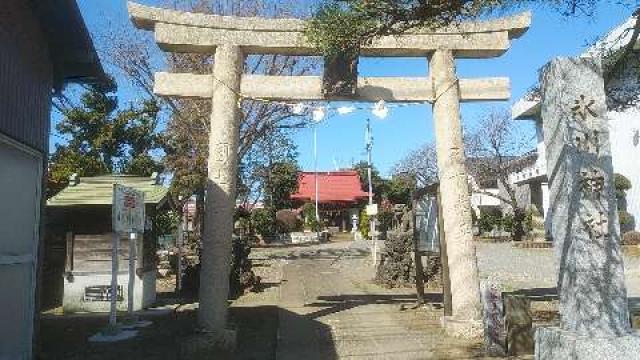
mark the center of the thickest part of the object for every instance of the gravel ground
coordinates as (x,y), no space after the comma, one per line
(535,268)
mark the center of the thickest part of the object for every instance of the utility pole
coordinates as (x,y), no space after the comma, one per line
(315,166)
(372,221)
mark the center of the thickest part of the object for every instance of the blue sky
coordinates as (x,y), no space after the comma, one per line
(341,138)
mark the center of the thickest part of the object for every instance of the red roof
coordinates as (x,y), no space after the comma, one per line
(333,186)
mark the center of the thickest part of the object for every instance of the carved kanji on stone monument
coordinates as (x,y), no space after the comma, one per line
(588,141)
(591,183)
(583,108)
(597,226)
(221,157)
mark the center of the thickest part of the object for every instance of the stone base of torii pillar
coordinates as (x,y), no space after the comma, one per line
(466,321)
(594,312)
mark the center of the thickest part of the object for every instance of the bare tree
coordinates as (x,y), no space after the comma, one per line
(137,57)
(496,149)
(420,164)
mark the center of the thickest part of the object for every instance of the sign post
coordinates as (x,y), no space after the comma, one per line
(127,216)
(113,296)
(133,256)
(372,211)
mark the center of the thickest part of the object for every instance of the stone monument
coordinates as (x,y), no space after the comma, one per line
(493,315)
(593,297)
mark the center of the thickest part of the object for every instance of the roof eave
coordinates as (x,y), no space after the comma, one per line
(72,51)
(525,109)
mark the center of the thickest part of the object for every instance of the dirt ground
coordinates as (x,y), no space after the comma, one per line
(318,302)
(66,337)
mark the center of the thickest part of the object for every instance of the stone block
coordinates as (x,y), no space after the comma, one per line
(519,324)
(493,316)
(556,344)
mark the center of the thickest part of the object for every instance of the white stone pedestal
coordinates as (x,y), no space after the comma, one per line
(557,344)
(75,299)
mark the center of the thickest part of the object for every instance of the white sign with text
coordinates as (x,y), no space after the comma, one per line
(128,210)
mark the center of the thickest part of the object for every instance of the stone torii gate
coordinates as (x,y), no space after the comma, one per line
(232,38)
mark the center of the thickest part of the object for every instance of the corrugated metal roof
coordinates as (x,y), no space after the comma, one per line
(99,190)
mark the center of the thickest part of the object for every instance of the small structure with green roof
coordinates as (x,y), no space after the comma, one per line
(79,221)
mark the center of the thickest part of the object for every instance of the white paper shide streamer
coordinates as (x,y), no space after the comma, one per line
(380,110)
(344,110)
(318,114)
(298,109)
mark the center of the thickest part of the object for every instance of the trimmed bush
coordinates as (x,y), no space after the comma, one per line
(241,276)
(264,222)
(364,225)
(488,222)
(625,218)
(631,238)
(288,221)
(396,268)
(622,185)
(309,217)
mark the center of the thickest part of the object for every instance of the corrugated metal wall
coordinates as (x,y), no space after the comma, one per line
(25,91)
(25,76)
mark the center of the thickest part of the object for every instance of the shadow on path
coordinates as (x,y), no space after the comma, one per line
(66,337)
(335,304)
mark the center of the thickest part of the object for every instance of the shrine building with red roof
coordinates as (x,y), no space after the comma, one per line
(340,196)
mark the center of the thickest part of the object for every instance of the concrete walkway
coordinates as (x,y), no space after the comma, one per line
(329,309)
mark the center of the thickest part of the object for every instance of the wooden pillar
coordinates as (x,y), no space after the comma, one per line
(221,189)
(456,205)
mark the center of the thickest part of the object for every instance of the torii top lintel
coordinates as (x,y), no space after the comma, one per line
(191,32)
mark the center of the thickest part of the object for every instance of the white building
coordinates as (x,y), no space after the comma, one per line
(623,94)
(481,200)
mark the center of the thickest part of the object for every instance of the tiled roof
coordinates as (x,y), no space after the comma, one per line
(334,186)
(99,190)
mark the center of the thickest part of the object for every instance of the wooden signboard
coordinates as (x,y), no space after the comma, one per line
(427,225)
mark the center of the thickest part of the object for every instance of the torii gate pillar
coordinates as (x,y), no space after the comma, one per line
(456,206)
(221,187)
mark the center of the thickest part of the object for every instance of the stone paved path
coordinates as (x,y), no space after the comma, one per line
(329,309)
